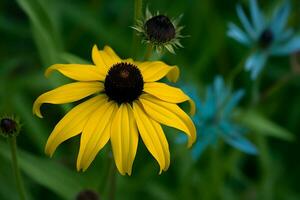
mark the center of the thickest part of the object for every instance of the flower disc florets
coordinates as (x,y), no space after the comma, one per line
(266,38)
(123,83)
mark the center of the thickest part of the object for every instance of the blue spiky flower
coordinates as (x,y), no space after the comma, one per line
(267,36)
(214,118)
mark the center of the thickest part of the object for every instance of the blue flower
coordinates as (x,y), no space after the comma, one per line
(265,35)
(213,118)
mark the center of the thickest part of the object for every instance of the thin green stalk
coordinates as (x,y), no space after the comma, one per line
(265,159)
(111,181)
(138,6)
(216,172)
(255,92)
(266,168)
(138,12)
(277,86)
(238,69)
(149,51)
(13,146)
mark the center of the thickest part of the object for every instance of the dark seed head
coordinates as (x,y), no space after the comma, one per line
(160,29)
(266,38)
(9,127)
(87,195)
(124,83)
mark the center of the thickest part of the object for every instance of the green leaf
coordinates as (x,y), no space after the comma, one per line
(53,176)
(44,32)
(71,58)
(258,123)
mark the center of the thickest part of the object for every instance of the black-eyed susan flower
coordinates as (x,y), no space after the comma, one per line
(267,36)
(160,31)
(127,103)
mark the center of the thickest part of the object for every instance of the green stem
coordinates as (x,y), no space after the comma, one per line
(266,168)
(265,159)
(149,51)
(277,86)
(235,72)
(238,69)
(255,92)
(111,181)
(138,7)
(216,172)
(13,147)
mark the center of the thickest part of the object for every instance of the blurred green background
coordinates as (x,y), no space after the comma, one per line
(37,33)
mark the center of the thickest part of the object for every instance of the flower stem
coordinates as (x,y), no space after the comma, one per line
(149,51)
(13,147)
(138,7)
(265,159)
(278,85)
(238,69)
(235,72)
(111,181)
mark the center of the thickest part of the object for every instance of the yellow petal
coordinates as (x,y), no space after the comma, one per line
(66,94)
(105,58)
(168,94)
(78,72)
(169,114)
(124,139)
(154,71)
(153,137)
(95,134)
(113,56)
(72,123)
(129,60)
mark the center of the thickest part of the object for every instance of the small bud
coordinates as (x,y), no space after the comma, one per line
(9,126)
(87,195)
(160,31)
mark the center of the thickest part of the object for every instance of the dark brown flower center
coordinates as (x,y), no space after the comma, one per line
(266,38)
(124,83)
(160,29)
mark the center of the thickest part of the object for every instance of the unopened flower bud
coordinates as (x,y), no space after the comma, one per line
(9,127)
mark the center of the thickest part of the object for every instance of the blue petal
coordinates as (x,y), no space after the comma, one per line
(256,15)
(221,91)
(237,96)
(236,33)
(209,108)
(206,138)
(280,18)
(245,22)
(218,86)
(233,135)
(255,63)
(286,35)
(241,143)
(293,45)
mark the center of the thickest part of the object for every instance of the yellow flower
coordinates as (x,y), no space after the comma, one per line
(127,103)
